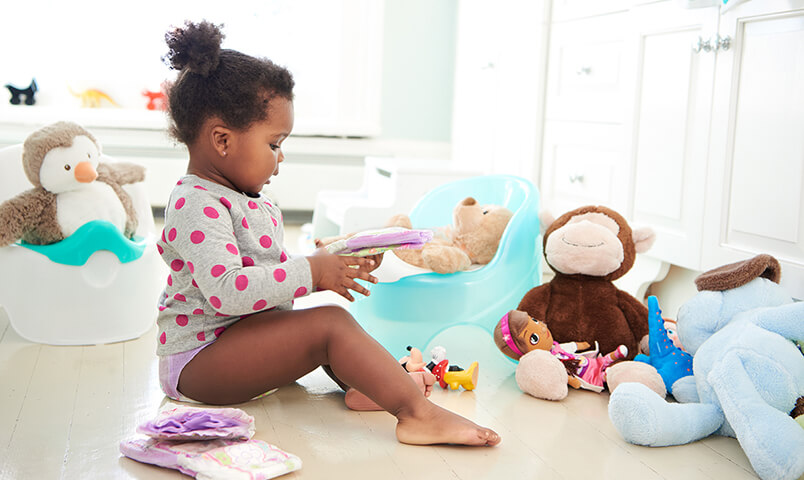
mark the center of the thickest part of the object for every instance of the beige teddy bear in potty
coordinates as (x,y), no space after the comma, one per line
(472,239)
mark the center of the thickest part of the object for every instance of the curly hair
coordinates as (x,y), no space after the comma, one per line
(235,87)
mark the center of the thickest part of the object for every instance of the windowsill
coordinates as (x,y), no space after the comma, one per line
(125,118)
(140,129)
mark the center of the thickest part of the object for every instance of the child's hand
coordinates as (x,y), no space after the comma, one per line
(335,272)
(377,259)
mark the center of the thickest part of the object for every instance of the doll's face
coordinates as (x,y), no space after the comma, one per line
(533,334)
(672,332)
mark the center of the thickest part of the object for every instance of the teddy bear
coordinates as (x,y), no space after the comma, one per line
(748,374)
(588,248)
(473,238)
(71,188)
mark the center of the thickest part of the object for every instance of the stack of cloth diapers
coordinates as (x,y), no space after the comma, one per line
(208,443)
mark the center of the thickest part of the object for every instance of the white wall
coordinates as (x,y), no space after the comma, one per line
(418,69)
(676,288)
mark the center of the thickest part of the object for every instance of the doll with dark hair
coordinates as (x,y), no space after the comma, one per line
(517,333)
(227,330)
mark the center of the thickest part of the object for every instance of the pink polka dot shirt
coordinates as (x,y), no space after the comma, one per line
(226,260)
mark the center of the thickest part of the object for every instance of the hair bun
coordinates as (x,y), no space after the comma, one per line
(196,47)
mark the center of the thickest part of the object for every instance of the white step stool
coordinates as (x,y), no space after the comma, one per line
(391,185)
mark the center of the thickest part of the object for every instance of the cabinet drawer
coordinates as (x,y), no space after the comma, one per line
(584,164)
(584,172)
(586,70)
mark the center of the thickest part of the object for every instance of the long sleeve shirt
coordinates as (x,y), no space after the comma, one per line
(226,260)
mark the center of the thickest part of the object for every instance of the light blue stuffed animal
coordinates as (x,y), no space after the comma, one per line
(747,373)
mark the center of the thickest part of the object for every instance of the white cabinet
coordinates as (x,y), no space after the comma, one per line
(687,120)
(583,158)
(669,125)
(755,175)
(499,76)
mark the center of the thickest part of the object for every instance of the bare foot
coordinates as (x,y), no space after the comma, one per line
(437,425)
(357,401)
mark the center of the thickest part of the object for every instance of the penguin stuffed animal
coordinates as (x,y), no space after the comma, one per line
(71,187)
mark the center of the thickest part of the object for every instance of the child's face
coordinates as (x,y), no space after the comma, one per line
(256,154)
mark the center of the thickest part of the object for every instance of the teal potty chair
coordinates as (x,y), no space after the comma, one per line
(415,309)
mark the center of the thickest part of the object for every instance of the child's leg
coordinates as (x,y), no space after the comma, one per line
(357,401)
(272,349)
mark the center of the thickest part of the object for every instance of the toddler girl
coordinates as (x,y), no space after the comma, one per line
(227,328)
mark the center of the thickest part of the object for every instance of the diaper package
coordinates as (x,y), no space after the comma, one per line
(208,444)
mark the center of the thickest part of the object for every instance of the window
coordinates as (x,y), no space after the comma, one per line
(332,47)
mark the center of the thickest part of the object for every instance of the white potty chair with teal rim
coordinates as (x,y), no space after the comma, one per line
(95,286)
(415,309)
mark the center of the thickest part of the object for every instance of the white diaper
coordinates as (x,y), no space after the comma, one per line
(214,459)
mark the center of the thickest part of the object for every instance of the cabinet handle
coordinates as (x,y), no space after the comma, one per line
(584,71)
(705,45)
(723,43)
(576,178)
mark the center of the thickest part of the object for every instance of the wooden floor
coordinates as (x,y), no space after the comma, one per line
(63,411)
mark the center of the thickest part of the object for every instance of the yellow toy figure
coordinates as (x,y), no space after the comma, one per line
(92,98)
(446,374)
(459,377)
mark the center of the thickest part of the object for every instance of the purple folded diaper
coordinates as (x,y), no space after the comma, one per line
(370,242)
(182,422)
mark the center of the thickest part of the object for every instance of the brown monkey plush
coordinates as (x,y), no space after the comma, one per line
(588,248)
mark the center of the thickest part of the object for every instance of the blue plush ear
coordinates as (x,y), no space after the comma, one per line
(670,361)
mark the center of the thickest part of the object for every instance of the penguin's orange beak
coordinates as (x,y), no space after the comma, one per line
(85,172)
